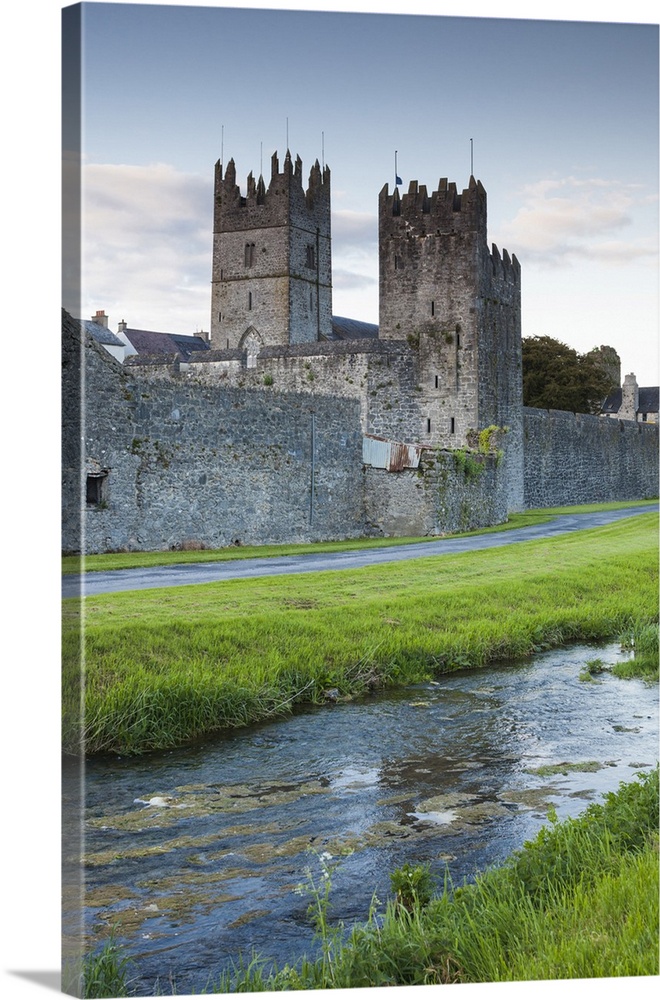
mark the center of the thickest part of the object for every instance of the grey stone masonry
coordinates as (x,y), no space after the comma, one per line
(271,271)
(443,291)
(573,458)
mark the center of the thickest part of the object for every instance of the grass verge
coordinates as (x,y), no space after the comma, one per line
(137,560)
(162,667)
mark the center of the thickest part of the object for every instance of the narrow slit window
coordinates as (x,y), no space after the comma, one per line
(432,308)
(249,254)
(452,429)
(458,340)
(310,260)
(249,300)
(428,425)
(437,382)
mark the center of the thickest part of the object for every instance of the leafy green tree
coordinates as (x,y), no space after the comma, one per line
(556,377)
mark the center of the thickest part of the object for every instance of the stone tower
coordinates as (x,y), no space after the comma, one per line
(271,282)
(458,304)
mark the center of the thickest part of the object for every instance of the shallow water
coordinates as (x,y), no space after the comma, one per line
(196,853)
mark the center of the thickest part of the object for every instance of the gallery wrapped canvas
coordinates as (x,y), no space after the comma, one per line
(360,639)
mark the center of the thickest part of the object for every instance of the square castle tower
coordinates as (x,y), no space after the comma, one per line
(272,271)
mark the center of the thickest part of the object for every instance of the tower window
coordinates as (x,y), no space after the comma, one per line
(428,425)
(249,254)
(452,429)
(310,259)
(249,300)
(458,340)
(96,492)
(432,308)
(437,382)
(398,263)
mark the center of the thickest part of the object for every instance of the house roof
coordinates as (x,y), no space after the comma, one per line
(648,400)
(101,334)
(152,342)
(352,329)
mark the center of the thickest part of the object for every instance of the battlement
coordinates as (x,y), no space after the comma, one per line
(445,209)
(505,267)
(285,187)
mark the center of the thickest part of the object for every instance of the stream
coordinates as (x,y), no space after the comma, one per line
(196,853)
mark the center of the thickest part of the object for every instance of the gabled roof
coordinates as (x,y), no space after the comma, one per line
(352,329)
(101,334)
(152,342)
(648,400)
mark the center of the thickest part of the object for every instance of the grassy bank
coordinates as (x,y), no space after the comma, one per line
(135,560)
(166,666)
(579,901)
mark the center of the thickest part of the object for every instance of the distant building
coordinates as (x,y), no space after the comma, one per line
(633,402)
(97,328)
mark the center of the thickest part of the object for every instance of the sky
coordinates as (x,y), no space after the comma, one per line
(565,141)
(560,121)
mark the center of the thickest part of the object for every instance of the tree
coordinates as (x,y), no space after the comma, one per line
(556,377)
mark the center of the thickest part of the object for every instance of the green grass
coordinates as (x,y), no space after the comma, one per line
(166,666)
(578,901)
(135,560)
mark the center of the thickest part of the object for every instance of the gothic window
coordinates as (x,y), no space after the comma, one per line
(310,260)
(249,254)
(251,344)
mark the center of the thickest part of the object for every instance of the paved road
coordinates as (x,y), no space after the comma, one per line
(184,575)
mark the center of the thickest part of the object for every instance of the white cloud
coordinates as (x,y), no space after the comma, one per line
(355,229)
(146,246)
(565,220)
(351,279)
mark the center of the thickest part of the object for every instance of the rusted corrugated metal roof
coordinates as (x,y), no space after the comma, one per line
(391,455)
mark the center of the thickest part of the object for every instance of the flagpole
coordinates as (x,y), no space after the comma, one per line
(471,159)
(396,172)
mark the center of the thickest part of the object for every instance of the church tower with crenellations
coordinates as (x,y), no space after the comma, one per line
(271,278)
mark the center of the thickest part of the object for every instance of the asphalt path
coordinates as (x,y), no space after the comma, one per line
(112,581)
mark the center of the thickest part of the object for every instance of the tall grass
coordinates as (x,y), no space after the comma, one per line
(578,901)
(165,666)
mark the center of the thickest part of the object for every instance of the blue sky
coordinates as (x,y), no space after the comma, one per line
(563,117)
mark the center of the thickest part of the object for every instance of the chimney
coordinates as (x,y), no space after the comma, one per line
(100,318)
(629,399)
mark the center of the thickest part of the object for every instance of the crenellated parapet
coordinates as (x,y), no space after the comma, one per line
(505,268)
(444,210)
(270,204)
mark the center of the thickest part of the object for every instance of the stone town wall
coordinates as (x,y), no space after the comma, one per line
(444,495)
(192,457)
(190,465)
(573,458)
